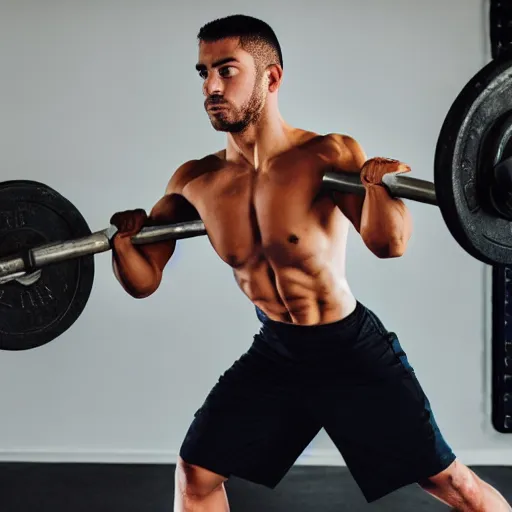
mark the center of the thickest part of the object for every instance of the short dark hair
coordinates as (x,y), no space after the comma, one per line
(253,33)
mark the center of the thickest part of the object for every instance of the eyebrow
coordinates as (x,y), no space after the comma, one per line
(217,63)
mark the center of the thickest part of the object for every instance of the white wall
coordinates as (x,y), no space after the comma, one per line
(101,101)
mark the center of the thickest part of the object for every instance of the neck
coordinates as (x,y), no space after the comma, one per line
(260,141)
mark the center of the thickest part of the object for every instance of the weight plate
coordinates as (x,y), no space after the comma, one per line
(460,172)
(32,315)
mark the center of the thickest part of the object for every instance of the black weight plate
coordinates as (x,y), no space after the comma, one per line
(461,195)
(32,214)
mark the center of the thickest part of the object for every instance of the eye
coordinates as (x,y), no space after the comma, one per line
(227,71)
(202,74)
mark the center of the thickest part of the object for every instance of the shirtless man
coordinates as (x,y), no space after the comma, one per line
(321,358)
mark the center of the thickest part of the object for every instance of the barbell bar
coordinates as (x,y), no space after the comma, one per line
(14,267)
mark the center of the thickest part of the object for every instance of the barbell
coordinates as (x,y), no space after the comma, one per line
(47,247)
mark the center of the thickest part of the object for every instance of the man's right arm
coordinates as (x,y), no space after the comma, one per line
(384,222)
(139,269)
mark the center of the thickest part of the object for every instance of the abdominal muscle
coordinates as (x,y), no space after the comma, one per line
(311,291)
(288,257)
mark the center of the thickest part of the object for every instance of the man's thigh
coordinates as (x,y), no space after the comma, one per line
(383,424)
(252,424)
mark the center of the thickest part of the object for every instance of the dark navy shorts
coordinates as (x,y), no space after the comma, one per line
(350,377)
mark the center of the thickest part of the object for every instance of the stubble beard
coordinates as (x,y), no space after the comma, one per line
(238,120)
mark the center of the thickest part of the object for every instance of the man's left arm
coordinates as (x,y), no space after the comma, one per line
(383,222)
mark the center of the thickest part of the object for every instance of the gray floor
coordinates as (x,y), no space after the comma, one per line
(149,488)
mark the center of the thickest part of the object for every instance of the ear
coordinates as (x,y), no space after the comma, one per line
(275,77)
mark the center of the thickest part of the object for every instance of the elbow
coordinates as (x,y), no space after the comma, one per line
(141,290)
(386,249)
(393,250)
(143,294)
(138,292)
(385,241)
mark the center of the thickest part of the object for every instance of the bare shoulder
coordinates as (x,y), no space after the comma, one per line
(193,169)
(339,151)
(348,155)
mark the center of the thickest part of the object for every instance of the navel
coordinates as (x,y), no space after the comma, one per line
(293,239)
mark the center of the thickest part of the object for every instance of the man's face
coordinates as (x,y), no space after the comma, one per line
(234,89)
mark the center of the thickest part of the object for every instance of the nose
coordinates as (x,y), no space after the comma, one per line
(212,85)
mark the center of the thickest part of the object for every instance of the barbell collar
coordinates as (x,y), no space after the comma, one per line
(14,267)
(101,241)
(402,187)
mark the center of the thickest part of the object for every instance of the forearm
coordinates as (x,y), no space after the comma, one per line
(386,223)
(133,270)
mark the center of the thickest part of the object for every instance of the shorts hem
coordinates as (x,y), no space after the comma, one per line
(208,465)
(422,474)
(270,483)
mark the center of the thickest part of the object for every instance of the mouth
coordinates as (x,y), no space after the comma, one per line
(216,108)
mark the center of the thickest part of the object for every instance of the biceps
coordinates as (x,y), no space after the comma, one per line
(171,209)
(350,158)
(351,205)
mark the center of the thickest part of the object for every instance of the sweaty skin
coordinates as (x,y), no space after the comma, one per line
(281,233)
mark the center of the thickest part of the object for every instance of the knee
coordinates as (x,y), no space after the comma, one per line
(457,484)
(195,482)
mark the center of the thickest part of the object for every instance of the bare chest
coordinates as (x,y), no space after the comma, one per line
(253,214)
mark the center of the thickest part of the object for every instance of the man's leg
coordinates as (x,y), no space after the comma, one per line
(391,438)
(197,489)
(375,411)
(252,425)
(464,491)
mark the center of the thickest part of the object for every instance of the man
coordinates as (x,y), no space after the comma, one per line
(321,359)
